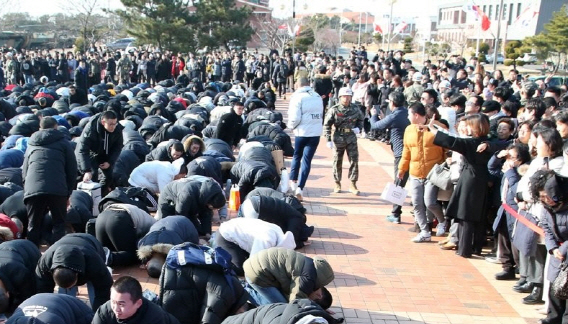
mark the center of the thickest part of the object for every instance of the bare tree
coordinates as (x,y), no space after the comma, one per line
(274,33)
(86,12)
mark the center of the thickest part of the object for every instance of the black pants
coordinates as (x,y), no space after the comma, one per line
(396,209)
(471,237)
(557,310)
(281,87)
(504,246)
(37,207)
(115,230)
(238,255)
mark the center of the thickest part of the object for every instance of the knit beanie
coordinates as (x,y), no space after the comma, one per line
(324,272)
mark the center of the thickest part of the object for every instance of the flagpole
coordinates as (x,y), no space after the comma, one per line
(496,47)
(359,40)
(294,31)
(478,37)
(389,26)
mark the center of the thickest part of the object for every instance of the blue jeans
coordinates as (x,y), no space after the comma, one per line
(265,295)
(73,291)
(304,151)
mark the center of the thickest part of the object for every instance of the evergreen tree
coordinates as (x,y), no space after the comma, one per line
(554,38)
(167,24)
(222,24)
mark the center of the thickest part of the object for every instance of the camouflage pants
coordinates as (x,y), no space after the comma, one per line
(345,142)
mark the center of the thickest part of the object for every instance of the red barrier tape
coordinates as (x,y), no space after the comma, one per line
(523,220)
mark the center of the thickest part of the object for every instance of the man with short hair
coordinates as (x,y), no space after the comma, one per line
(396,122)
(49,173)
(127,305)
(99,147)
(534,109)
(75,260)
(229,127)
(305,118)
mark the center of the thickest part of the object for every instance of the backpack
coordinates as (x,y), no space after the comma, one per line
(283,71)
(202,256)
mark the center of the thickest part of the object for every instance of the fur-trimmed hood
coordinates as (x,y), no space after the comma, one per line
(6,234)
(145,252)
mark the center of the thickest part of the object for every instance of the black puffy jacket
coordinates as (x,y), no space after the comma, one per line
(289,199)
(18,259)
(95,140)
(275,133)
(8,189)
(127,161)
(133,141)
(53,309)
(281,313)
(164,234)
(214,144)
(82,253)
(162,153)
(205,166)
(148,313)
(251,174)
(80,210)
(168,132)
(49,165)
(197,295)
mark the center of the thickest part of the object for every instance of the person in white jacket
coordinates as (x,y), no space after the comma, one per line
(243,237)
(155,175)
(305,118)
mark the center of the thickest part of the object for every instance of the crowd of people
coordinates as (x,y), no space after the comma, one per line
(168,137)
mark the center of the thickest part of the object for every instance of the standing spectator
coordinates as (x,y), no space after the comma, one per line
(99,147)
(110,69)
(305,116)
(467,204)
(94,70)
(151,70)
(123,68)
(75,260)
(62,69)
(49,173)
(419,156)
(127,304)
(81,76)
(396,122)
(348,122)
(323,85)
(27,69)
(279,76)
(239,69)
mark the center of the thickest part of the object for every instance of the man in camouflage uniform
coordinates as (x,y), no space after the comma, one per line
(123,68)
(11,70)
(347,120)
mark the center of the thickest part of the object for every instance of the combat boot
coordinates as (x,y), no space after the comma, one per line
(353,188)
(337,187)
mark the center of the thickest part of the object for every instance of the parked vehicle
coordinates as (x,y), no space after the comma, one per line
(528,58)
(500,58)
(121,44)
(555,81)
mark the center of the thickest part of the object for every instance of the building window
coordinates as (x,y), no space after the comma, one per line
(456,17)
(518,9)
(504,12)
(490,13)
(497,12)
(463,16)
(484,8)
(440,16)
(511,6)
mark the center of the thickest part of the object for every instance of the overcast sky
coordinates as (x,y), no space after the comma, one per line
(405,8)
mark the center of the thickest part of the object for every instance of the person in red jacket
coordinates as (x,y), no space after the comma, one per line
(177,66)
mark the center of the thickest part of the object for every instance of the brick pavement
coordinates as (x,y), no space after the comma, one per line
(382,277)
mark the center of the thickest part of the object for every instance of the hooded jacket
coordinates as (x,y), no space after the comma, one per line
(13,158)
(18,259)
(81,253)
(220,146)
(229,128)
(80,210)
(205,166)
(49,166)
(96,141)
(255,235)
(148,313)
(166,233)
(305,113)
(275,133)
(162,153)
(252,174)
(50,308)
(280,313)
(142,220)
(197,295)
(294,274)
(126,163)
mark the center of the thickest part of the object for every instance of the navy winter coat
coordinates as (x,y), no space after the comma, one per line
(52,308)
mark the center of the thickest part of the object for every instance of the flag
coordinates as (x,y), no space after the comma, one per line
(377,28)
(400,27)
(479,15)
(284,26)
(524,19)
(297,30)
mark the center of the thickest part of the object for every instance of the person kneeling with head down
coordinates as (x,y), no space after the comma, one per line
(50,308)
(127,305)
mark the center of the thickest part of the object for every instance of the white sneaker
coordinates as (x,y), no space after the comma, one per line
(441,229)
(422,237)
(299,194)
(293,185)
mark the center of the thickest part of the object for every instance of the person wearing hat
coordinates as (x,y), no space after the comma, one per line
(347,120)
(413,93)
(281,275)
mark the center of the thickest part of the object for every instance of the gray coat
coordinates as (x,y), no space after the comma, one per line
(554,240)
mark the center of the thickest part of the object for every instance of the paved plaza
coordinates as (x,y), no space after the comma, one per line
(381,277)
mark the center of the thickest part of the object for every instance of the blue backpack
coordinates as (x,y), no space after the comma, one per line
(202,256)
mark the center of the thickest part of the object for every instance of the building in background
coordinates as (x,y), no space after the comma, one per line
(521,19)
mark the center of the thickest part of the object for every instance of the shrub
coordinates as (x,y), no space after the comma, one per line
(508,62)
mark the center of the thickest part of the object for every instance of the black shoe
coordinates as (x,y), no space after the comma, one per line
(415,228)
(545,321)
(521,281)
(525,288)
(505,275)
(534,298)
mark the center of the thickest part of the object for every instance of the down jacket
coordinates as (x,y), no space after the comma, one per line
(80,210)
(82,253)
(18,259)
(251,174)
(168,132)
(148,313)
(96,141)
(213,144)
(419,154)
(255,235)
(289,199)
(53,309)
(197,295)
(162,153)
(275,133)
(294,274)
(154,175)
(126,163)
(49,165)
(166,233)
(280,313)
(205,166)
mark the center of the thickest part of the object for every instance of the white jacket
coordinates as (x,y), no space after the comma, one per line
(254,235)
(305,113)
(154,175)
